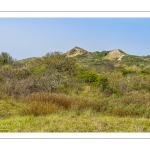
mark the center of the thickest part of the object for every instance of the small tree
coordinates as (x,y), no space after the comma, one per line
(5,58)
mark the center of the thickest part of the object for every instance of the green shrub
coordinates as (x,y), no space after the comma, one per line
(88,76)
(101,82)
(6,67)
(5,58)
(39,70)
(54,62)
(144,72)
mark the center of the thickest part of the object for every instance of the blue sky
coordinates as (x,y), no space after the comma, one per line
(34,37)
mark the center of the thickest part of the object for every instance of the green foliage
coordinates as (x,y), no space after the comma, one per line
(125,72)
(54,62)
(100,54)
(21,73)
(5,58)
(6,67)
(88,76)
(39,70)
(101,82)
(138,61)
(145,72)
(92,78)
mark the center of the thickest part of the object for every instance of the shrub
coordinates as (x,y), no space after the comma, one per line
(39,70)
(101,82)
(88,76)
(118,83)
(54,62)
(5,58)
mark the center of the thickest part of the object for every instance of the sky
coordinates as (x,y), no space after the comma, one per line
(34,37)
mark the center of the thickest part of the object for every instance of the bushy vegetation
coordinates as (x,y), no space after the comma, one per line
(56,84)
(5,58)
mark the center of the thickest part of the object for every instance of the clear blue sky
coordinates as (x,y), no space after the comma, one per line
(34,37)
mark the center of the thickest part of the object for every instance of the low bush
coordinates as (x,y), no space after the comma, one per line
(88,76)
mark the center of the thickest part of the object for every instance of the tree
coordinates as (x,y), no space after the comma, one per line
(5,58)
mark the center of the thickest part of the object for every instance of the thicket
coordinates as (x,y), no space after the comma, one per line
(120,89)
(56,73)
(47,74)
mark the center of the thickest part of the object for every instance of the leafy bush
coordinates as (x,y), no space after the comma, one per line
(88,76)
(5,58)
(39,70)
(101,82)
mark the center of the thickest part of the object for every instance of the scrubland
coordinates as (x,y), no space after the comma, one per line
(55,93)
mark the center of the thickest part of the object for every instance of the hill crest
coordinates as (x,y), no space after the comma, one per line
(115,54)
(76,51)
(112,54)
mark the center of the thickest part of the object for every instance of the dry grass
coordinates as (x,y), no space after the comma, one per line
(58,99)
(45,103)
(61,113)
(135,105)
(38,108)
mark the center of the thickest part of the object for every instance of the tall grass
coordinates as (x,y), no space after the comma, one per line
(135,105)
(62,113)
(58,99)
(132,105)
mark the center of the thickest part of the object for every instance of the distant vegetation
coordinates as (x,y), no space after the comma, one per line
(5,58)
(85,84)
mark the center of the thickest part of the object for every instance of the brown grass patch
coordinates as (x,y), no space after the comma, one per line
(45,103)
(48,98)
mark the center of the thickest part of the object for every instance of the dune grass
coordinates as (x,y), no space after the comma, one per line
(45,112)
(73,122)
